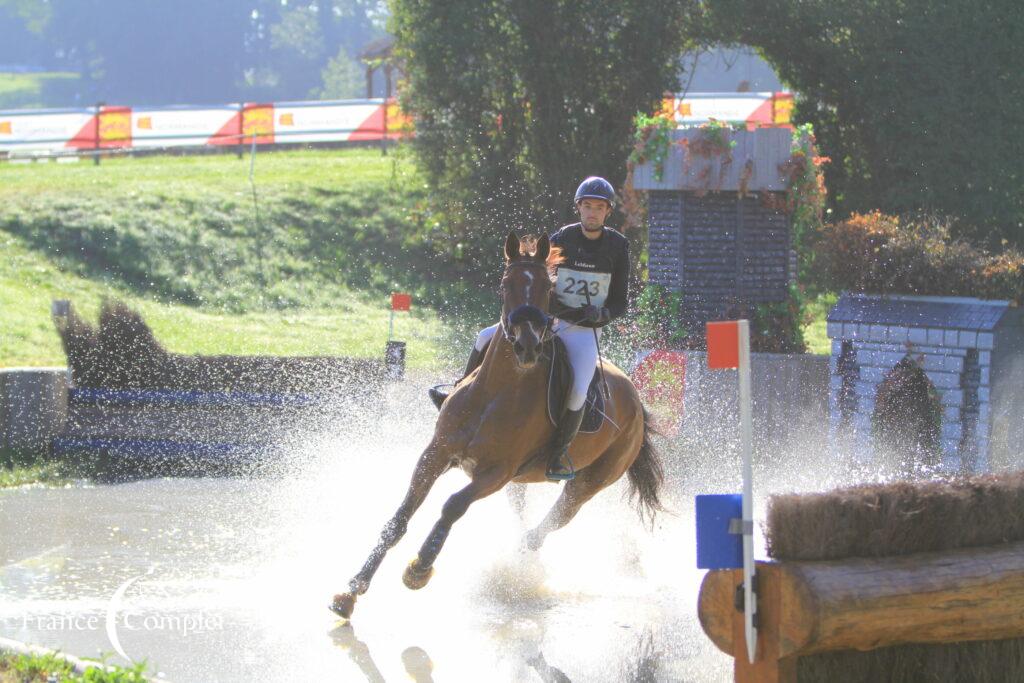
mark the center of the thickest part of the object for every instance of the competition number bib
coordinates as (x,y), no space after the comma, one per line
(574,286)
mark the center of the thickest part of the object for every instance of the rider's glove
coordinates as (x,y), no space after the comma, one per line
(593,314)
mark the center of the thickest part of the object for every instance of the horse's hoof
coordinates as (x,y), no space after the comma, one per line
(343,604)
(532,541)
(415,578)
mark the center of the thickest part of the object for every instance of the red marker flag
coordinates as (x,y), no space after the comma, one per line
(400,302)
(723,345)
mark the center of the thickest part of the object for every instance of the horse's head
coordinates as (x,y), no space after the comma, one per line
(525,288)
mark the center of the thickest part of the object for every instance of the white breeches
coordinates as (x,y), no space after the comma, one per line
(582,349)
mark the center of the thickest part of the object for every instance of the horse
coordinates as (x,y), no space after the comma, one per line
(494,426)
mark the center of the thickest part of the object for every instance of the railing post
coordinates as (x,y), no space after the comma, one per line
(240,147)
(96,135)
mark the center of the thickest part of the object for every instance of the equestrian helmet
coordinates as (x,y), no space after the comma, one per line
(595,187)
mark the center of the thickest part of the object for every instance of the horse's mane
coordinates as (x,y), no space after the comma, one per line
(528,247)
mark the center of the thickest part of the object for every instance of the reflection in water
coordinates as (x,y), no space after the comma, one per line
(345,637)
(645,665)
(418,665)
(415,659)
(547,673)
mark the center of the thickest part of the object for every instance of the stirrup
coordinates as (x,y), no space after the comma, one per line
(561,475)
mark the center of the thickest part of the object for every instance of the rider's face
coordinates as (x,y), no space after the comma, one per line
(593,212)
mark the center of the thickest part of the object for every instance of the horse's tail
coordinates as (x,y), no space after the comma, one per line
(646,476)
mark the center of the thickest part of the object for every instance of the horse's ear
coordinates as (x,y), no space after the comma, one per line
(543,248)
(511,246)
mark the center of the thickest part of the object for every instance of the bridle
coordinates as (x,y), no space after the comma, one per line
(527,312)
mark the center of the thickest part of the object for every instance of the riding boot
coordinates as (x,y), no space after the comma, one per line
(475,359)
(559,463)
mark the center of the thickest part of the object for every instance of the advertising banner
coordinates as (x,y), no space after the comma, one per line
(184,126)
(53,129)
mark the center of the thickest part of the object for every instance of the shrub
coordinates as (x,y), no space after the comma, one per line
(881,254)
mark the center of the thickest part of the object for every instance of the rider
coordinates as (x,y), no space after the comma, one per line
(591,291)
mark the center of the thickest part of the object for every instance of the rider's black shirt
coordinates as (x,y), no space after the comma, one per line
(607,254)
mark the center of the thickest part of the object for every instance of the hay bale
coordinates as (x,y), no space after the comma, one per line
(882,520)
(900,519)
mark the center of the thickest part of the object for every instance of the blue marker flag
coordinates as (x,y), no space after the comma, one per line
(717,548)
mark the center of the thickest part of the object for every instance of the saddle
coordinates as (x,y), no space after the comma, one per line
(560,382)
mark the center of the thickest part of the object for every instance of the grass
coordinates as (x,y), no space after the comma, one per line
(20,468)
(177,239)
(356,326)
(36,90)
(815,335)
(50,667)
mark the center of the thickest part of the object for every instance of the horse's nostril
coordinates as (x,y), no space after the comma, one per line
(536,349)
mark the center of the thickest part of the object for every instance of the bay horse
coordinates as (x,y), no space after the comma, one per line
(494,426)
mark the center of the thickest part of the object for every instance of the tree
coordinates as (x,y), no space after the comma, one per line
(342,78)
(515,101)
(190,51)
(917,102)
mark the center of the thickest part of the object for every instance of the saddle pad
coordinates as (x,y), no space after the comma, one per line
(559,383)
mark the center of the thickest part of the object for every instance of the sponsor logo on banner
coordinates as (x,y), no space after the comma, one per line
(144,123)
(398,121)
(783,109)
(286,119)
(115,126)
(258,120)
(5,128)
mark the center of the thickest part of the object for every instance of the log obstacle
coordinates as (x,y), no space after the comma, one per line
(865,603)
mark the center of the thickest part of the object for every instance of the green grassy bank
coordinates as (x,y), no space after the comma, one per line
(179,239)
(47,667)
(37,90)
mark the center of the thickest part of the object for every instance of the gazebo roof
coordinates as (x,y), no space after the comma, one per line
(380,48)
(961,313)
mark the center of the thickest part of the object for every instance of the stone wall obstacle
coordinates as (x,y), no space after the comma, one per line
(972,352)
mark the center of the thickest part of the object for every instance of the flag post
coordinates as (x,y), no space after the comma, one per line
(746,438)
(394,351)
(729,348)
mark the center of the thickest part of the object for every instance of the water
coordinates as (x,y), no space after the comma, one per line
(225,579)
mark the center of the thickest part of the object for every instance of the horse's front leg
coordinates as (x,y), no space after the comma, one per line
(432,464)
(484,483)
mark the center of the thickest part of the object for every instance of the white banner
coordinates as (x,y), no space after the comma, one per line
(328,122)
(184,126)
(42,130)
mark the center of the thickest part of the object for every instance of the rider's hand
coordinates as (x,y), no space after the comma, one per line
(593,314)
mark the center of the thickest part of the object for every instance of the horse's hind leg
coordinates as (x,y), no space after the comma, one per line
(601,473)
(517,499)
(484,483)
(432,464)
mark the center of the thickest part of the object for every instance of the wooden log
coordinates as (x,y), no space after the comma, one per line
(863,604)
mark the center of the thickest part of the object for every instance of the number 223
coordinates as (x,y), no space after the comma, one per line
(582,287)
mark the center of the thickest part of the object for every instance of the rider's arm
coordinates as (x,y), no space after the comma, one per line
(618,290)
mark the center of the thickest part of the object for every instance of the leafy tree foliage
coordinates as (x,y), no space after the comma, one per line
(343,78)
(917,102)
(188,51)
(515,101)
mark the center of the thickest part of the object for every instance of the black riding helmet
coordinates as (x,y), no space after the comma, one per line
(595,187)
